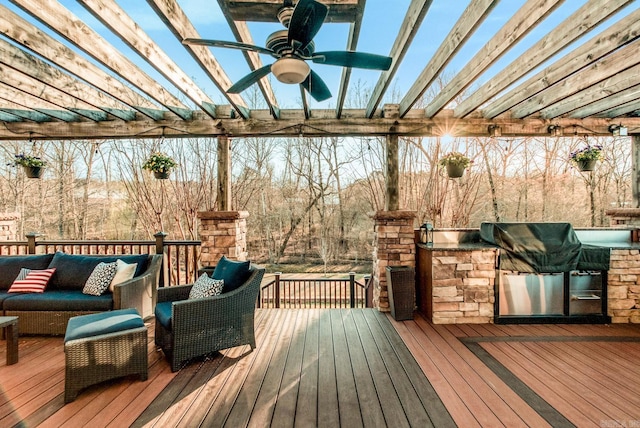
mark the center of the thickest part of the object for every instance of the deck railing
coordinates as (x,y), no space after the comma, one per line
(308,293)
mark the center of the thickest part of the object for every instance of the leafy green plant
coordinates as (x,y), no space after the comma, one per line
(588,153)
(159,162)
(29,161)
(454,158)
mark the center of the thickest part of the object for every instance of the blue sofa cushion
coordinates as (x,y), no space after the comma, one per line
(3,296)
(10,266)
(73,270)
(163,314)
(233,273)
(58,300)
(91,325)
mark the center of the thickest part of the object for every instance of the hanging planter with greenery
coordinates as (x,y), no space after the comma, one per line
(33,165)
(587,157)
(455,163)
(160,164)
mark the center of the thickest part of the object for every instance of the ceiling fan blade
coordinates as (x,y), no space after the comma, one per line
(230,45)
(306,20)
(249,79)
(353,59)
(316,87)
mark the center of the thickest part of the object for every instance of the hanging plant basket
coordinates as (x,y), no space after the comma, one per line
(33,171)
(161,175)
(587,165)
(454,170)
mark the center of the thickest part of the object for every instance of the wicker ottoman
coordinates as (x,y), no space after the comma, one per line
(103,346)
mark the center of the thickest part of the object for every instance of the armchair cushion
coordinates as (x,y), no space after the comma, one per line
(233,273)
(163,314)
(205,286)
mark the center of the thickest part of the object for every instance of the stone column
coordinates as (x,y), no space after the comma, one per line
(223,233)
(393,246)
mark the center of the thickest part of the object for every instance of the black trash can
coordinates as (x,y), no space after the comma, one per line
(401,284)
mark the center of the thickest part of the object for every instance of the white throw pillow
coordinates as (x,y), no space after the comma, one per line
(205,286)
(124,272)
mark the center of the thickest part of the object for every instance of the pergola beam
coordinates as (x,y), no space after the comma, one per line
(322,124)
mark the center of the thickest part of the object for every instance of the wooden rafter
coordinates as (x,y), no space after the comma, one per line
(176,20)
(15,99)
(413,19)
(241,32)
(520,24)
(30,38)
(626,98)
(589,16)
(61,20)
(352,45)
(267,10)
(45,73)
(116,19)
(604,68)
(616,83)
(619,34)
(471,18)
(32,86)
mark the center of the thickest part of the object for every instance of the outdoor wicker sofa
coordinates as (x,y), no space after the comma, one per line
(188,328)
(48,313)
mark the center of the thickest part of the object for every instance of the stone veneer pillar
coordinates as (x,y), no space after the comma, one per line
(623,286)
(9,226)
(393,246)
(223,233)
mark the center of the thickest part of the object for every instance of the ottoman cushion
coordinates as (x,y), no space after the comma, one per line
(102,323)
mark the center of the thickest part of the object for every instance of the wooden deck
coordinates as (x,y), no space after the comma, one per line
(352,368)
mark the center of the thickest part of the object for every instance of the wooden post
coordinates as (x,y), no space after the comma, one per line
(352,289)
(392,176)
(635,169)
(224,173)
(276,294)
(31,242)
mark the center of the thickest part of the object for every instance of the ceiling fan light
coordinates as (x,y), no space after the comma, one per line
(290,70)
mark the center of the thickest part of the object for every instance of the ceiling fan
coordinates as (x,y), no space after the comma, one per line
(293,47)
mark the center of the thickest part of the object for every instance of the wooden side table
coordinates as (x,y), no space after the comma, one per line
(10,326)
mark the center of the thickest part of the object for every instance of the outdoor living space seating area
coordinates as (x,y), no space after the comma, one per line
(351,367)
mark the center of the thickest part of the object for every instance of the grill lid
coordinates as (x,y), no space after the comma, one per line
(542,247)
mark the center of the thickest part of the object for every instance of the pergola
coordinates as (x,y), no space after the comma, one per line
(60,79)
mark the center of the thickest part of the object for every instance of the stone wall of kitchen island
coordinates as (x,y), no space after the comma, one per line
(623,286)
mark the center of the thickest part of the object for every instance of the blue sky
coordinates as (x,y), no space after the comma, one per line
(382,20)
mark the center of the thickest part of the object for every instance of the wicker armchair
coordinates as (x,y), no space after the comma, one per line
(202,326)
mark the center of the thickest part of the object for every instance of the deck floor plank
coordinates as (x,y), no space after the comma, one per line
(327,416)
(348,407)
(352,368)
(306,412)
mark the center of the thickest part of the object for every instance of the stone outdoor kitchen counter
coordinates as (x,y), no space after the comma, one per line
(456,276)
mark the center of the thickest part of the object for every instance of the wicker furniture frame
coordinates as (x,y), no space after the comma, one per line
(136,293)
(99,358)
(202,326)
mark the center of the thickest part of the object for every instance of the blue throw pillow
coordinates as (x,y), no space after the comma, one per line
(233,273)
